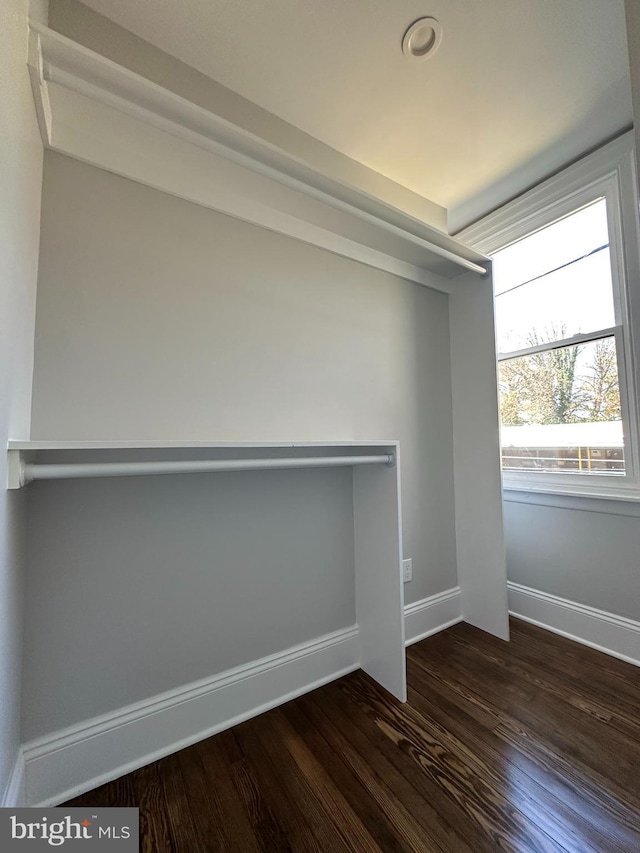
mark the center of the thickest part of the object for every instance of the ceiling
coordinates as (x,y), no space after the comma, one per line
(517,89)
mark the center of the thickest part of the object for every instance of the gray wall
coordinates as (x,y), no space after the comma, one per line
(159,319)
(633,39)
(20,179)
(140,585)
(591,557)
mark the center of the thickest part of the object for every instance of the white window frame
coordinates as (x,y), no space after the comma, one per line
(608,173)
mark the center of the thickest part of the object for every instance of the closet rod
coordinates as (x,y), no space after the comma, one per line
(71,471)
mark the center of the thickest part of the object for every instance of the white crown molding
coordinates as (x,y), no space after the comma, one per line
(96,111)
(614,635)
(66,763)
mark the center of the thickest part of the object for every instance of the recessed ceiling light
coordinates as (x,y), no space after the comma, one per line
(422,39)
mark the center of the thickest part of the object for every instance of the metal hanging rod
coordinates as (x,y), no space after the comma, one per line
(36,471)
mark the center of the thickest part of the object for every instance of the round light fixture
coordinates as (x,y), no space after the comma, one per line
(422,39)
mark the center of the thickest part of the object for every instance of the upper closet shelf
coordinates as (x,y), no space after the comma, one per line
(104,114)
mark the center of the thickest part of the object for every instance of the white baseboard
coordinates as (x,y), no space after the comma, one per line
(432,614)
(606,632)
(69,762)
(62,765)
(14,792)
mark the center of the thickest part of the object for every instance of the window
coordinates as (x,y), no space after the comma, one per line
(558,365)
(563,259)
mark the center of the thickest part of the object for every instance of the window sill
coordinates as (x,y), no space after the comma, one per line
(609,503)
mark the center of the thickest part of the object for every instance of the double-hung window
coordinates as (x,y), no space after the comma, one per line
(566,282)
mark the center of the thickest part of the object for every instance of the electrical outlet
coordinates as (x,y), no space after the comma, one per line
(407,570)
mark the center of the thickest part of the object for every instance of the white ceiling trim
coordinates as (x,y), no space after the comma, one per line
(529,211)
(94,110)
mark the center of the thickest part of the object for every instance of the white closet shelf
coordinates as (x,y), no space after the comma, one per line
(52,460)
(104,114)
(377,519)
(127,444)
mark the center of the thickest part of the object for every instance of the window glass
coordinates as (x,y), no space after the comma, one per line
(555,283)
(560,410)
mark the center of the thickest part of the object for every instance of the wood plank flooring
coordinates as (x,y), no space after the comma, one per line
(532,745)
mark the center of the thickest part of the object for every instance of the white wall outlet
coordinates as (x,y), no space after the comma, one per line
(407,570)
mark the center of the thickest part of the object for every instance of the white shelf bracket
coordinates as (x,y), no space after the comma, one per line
(15,470)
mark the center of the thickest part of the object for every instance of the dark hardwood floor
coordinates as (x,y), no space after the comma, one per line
(532,745)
